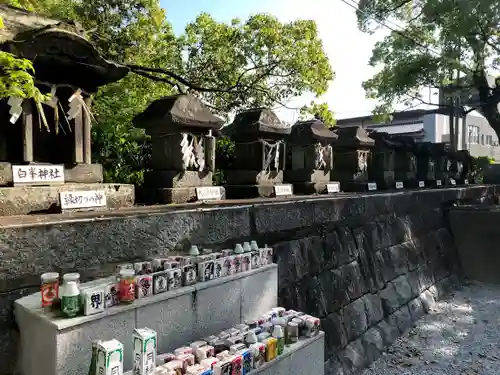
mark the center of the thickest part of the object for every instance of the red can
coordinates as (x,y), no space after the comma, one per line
(127,285)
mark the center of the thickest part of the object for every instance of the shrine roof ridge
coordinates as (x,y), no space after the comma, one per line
(311,130)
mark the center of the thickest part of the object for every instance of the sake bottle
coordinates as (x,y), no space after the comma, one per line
(280,336)
(70,301)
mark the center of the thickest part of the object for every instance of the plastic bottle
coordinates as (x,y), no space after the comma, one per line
(280,336)
(254,246)
(246,247)
(194,252)
(70,301)
(238,249)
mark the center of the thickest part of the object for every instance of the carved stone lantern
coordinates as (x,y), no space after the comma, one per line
(405,162)
(352,154)
(382,161)
(183,148)
(309,157)
(260,150)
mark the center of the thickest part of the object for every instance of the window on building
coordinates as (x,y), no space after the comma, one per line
(473,132)
(482,139)
(489,140)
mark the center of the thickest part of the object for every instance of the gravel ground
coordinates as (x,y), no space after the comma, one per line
(460,336)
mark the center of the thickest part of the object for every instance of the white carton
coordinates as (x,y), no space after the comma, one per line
(144,351)
(109,358)
(93,300)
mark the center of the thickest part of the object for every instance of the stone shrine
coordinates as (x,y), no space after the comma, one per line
(426,163)
(382,161)
(352,155)
(465,173)
(309,157)
(444,162)
(260,150)
(183,148)
(48,144)
(405,163)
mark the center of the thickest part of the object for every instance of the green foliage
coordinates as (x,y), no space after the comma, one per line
(433,39)
(259,62)
(479,165)
(320,111)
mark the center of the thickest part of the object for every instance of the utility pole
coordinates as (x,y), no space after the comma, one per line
(458,104)
(451,103)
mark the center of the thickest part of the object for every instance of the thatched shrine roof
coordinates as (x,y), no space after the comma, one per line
(60,51)
(177,112)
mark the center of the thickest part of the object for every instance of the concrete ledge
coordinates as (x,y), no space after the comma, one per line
(178,316)
(303,358)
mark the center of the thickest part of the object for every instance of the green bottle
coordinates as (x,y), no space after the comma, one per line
(279,335)
(70,300)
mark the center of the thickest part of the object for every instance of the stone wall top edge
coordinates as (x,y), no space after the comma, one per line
(30,304)
(196,209)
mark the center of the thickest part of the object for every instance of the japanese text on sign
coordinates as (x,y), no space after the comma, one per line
(282,190)
(372,186)
(438,182)
(38,174)
(333,187)
(399,184)
(421,184)
(71,200)
(208,193)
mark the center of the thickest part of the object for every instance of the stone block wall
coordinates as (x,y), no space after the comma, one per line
(362,263)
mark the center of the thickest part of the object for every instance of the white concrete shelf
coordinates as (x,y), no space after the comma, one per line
(179,316)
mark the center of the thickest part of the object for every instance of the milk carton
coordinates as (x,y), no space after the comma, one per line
(93,299)
(109,357)
(144,351)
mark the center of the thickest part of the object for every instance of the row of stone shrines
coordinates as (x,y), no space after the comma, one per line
(267,153)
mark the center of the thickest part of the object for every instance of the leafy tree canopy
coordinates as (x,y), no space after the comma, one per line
(257,62)
(430,40)
(319,111)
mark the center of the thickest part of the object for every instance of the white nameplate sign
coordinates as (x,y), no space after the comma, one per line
(438,182)
(74,200)
(283,190)
(421,184)
(208,193)
(333,187)
(466,182)
(37,174)
(399,184)
(372,186)
(453,182)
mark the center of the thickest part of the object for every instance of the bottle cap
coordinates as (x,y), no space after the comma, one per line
(194,251)
(49,276)
(127,272)
(278,331)
(251,337)
(74,276)
(238,249)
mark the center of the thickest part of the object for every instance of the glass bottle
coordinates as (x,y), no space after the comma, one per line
(49,288)
(127,286)
(70,300)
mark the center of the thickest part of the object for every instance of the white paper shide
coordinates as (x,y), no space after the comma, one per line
(71,200)
(38,174)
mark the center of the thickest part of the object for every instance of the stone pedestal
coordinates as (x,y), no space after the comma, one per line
(309,157)
(259,149)
(381,165)
(405,161)
(183,149)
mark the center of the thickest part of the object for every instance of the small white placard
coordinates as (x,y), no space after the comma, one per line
(74,200)
(466,182)
(453,182)
(208,193)
(438,182)
(333,187)
(399,184)
(282,190)
(37,174)
(372,186)
(421,184)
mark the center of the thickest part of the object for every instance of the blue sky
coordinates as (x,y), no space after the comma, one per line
(347,48)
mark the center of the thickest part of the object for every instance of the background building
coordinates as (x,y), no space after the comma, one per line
(474,134)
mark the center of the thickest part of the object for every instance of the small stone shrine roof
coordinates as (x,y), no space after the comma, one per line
(352,137)
(178,112)
(384,140)
(60,51)
(311,131)
(256,123)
